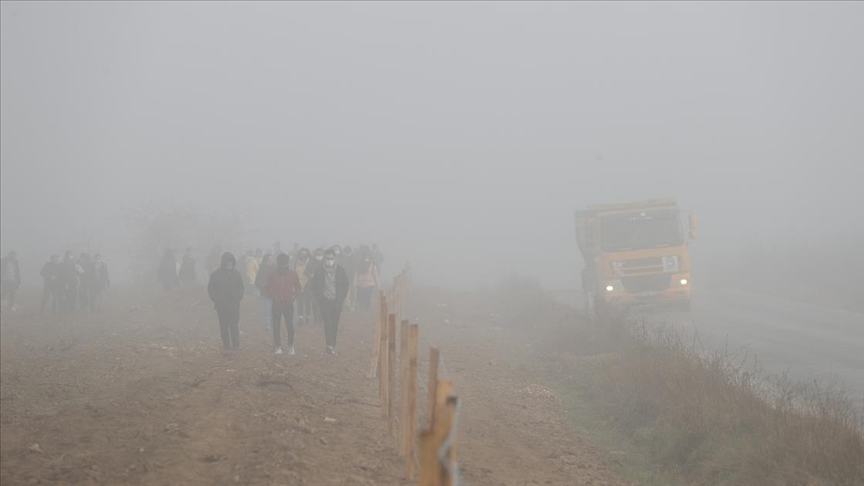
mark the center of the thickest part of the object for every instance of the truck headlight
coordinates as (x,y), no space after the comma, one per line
(609,288)
(613,285)
(684,281)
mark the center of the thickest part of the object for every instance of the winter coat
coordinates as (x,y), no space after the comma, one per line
(316,284)
(226,287)
(369,278)
(283,286)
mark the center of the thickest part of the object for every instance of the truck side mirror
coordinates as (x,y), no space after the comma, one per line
(692,221)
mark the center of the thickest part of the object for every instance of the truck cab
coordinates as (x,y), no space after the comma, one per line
(635,254)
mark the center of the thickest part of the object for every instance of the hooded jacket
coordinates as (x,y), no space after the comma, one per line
(283,286)
(226,285)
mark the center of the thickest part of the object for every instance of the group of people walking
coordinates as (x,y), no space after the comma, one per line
(314,286)
(73,282)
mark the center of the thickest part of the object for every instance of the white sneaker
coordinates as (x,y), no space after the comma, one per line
(279,350)
(330,350)
(291,351)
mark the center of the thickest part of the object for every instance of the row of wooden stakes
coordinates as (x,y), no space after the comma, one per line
(433,446)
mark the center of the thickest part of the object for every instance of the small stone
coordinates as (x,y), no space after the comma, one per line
(330,420)
(34,448)
(140,450)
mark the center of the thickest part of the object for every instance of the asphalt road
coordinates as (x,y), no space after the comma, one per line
(804,340)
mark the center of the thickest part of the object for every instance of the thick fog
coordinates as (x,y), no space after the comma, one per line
(458,136)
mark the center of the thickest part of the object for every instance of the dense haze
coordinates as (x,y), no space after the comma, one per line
(459,136)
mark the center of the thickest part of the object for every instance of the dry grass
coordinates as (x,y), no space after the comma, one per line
(709,418)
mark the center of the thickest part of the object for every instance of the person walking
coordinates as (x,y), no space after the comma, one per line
(367,281)
(329,286)
(10,279)
(283,285)
(99,283)
(251,268)
(187,273)
(267,267)
(51,288)
(226,290)
(304,300)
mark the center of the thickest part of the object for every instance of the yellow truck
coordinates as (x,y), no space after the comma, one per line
(635,253)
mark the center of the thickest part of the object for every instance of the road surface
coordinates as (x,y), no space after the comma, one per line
(807,341)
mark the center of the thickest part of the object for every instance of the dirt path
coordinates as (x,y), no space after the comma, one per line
(144,396)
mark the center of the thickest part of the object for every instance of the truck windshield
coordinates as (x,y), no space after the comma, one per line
(639,230)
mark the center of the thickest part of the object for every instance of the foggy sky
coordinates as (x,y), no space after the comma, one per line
(459,136)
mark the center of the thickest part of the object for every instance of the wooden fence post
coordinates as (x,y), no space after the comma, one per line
(382,355)
(404,335)
(391,372)
(432,472)
(432,386)
(411,419)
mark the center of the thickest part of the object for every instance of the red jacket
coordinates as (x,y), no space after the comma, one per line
(283,287)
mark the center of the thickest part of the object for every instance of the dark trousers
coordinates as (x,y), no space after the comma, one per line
(331,311)
(364,297)
(229,326)
(280,310)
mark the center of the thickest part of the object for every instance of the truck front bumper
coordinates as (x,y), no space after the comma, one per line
(661,289)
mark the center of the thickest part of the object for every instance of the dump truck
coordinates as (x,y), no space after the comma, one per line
(635,254)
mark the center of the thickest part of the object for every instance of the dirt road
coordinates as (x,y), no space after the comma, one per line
(143,395)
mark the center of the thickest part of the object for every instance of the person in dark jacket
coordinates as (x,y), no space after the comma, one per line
(187,268)
(51,288)
(329,287)
(99,283)
(10,278)
(226,291)
(168,271)
(283,285)
(267,267)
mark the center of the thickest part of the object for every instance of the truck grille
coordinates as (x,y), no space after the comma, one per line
(639,266)
(647,283)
